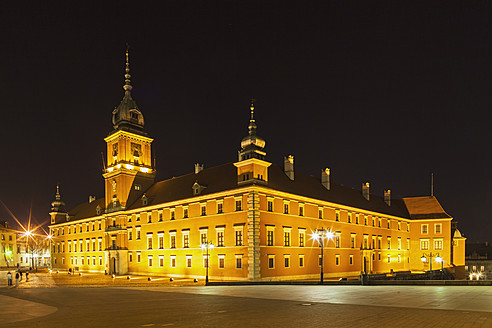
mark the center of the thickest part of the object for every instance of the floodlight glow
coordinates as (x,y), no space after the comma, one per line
(423,259)
(329,234)
(438,259)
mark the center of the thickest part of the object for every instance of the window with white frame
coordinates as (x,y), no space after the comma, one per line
(130,257)
(149,240)
(221,261)
(186,238)
(366,242)
(203,209)
(424,244)
(352,240)
(220,206)
(203,236)
(301,209)
(286,260)
(188,261)
(185,212)
(239,204)
(172,214)
(160,239)
(271,261)
(302,237)
(239,261)
(161,260)
(172,239)
(438,243)
(301,260)
(286,207)
(100,260)
(139,257)
(173,261)
(99,242)
(270,234)
(150,260)
(389,258)
(238,231)
(399,243)
(438,228)
(220,236)
(424,229)
(287,233)
(349,217)
(137,231)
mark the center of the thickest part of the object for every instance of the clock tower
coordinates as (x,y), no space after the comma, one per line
(129,170)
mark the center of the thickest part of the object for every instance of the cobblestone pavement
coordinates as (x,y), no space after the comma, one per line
(156,303)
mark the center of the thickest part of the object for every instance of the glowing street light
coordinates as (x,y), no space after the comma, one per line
(438,259)
(206,246)
(320,235)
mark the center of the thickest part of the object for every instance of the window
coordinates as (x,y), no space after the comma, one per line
(379,256)
(204,210)
(188,261)
(172,214)
(424,229)
(399,225)
(239,261)
(438,228)
(320,260)
(286,208)
(408,243)
(87,245)
(205,261)
(399,243)
(389,258)
(373,245)
(380,241)
(203,236)
(287,237)
(129,235)
(172,241)
(99,242)
(438,244)
(356,218)
(149,217)
(238,205)
(221,258)
(160,238)
(270,205)
(287,261)
(301,209)
(389,242)
(399,258)
(220,238)
(150,260)
(271,261)
(365,219)
(302,237)
(220,207)
(320,213)
(99,225)
(173,261)
(337,259)
(138,232)
(239,236)
(352,240)
(337,216)
(161,260)
(270,230)
(130,257)
(185,212)
(379,222)
(389,224)
(337,239)
(160,216)
(301,261)
(351,259)
(82,260)
(186,239)
(69,246)
(366,242)
(349,219)
(138,217)
(149,241)
(100,260)
(93,260)
(424,244)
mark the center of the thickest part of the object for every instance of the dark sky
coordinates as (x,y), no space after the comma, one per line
(378,91)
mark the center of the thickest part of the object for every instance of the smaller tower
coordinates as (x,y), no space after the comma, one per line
(252,166)
(57,208)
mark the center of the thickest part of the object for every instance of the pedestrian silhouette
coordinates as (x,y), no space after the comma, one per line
(9,279)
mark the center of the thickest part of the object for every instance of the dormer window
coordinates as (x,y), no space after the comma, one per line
(98,210)
(197,188)
(145,200)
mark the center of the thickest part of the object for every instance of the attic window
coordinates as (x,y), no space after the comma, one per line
(197,188)
(145,200)
(134,115)
(137,187)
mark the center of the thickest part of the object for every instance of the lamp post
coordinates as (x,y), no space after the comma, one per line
(206,246)
(320,235)
(440,260)
(430,256)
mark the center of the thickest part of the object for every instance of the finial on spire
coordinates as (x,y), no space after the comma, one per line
(127,87)
(57,196)
(252,124)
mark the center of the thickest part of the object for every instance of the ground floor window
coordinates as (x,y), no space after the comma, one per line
(239,261)
(287,261)
(337,259)
(351,259)
(188,261)
(173,261)
(221,261)
(161,260)
(301,261)
(271,261)
(150,260)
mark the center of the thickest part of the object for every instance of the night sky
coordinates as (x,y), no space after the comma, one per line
(379,91)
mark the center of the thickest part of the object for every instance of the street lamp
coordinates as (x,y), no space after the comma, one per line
(430,256)
(320,235)
(206,246)
(440,260)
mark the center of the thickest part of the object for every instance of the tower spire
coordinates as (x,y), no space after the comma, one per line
(252,123)
(127,87)
(252,146)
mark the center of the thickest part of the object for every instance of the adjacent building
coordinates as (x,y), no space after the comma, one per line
(478,261)
(259,217)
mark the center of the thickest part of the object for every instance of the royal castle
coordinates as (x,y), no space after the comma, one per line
(259,217)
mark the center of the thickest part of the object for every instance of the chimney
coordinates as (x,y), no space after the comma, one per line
(6,224)
(325,178)
(289,166)
(198,168)
(365,190)
(387,197)
(92,198)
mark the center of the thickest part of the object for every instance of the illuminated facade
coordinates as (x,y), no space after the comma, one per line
(8,246)
(258,215)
